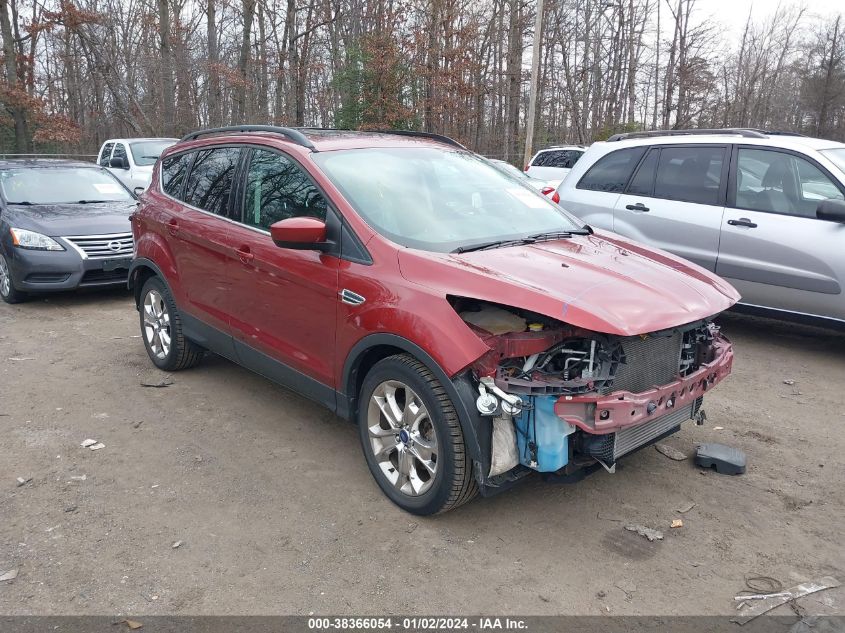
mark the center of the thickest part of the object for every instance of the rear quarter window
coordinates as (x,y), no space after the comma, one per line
(612,171)
(173,170)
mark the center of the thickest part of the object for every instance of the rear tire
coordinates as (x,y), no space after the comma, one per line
(412,438)
(8,292)
(161,329)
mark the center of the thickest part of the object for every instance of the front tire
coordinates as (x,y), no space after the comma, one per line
(161,329)
(8,292)
(412,439)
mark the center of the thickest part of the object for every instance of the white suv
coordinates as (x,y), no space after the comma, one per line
(132,159)
(764,210)
(555,162)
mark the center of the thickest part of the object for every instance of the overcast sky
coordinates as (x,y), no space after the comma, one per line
(733,13)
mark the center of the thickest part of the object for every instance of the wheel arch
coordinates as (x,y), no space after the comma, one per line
(140,270)
(375,347)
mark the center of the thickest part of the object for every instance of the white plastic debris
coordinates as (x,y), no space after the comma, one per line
(97,446)
(87,443)
(9,575)
(177,545)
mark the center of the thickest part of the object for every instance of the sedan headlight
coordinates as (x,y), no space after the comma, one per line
(35,241)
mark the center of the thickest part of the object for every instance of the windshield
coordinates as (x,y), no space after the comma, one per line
(836,156)
(147,152)
(61,185)
(510,169)
(439,200)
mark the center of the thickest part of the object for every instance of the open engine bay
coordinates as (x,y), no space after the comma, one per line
(563,399)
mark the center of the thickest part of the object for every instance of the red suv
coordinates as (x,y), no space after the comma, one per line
(474,331)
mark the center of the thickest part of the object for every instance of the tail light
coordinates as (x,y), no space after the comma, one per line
(526,167)
(552,193)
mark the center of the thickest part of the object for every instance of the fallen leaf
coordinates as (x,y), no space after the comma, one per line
(686,508)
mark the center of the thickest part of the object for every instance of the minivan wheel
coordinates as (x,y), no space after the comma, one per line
(412,438)
(161,329)
(8,292)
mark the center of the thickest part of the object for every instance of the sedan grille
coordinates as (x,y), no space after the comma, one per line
(103,246)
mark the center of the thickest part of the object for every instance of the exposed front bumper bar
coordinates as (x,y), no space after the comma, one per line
(623,409)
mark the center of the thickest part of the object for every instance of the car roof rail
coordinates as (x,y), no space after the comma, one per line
(435,137)
(291,133)
(741,131)
(413,133)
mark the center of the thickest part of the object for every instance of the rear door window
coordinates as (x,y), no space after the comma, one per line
(690,174)
(209,184)
(612,171)
(563,158)
(276,189)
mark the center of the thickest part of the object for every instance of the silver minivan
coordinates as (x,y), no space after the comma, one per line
(766,211)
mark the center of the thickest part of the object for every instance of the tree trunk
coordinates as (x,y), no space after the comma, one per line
(23,142)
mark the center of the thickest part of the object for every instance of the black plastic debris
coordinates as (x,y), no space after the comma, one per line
(725,459)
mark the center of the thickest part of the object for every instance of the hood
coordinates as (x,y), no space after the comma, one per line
(57,220)
(597,282)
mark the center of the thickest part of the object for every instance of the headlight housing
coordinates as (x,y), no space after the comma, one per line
(23,238)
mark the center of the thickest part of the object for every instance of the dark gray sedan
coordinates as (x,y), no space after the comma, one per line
(63,225)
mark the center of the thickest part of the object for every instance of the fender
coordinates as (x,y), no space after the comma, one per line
(477,430)
(151,248)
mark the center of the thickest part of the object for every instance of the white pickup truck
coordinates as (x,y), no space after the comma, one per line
(132,159)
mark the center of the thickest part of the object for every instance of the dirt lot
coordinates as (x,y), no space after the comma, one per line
(277,513)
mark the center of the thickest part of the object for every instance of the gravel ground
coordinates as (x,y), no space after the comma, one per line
(276,512)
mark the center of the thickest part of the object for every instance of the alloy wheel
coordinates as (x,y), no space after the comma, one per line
(157,324)
(402,438)
(5,278)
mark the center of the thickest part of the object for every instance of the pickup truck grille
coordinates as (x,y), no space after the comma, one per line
(103,246)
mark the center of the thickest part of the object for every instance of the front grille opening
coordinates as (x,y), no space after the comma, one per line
(105,276)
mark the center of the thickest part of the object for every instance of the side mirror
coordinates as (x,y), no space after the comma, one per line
(119,162)
(832,210)
(306,234)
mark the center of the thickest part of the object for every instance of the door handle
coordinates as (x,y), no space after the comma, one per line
(637,207)
(743,222)
(245,255)
(172,227)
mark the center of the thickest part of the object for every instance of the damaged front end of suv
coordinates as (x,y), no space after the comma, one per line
(565,401)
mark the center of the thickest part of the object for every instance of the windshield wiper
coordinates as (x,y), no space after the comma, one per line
(494,244)
(558,235)
(91,201)
(25,203)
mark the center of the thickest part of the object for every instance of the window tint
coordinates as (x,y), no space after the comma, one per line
(691,174)
(209,185)
(777,182)
(173,170)
(611,172)
(277,189)
(564,158)
(105,155)
(642,183)
(119,151)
